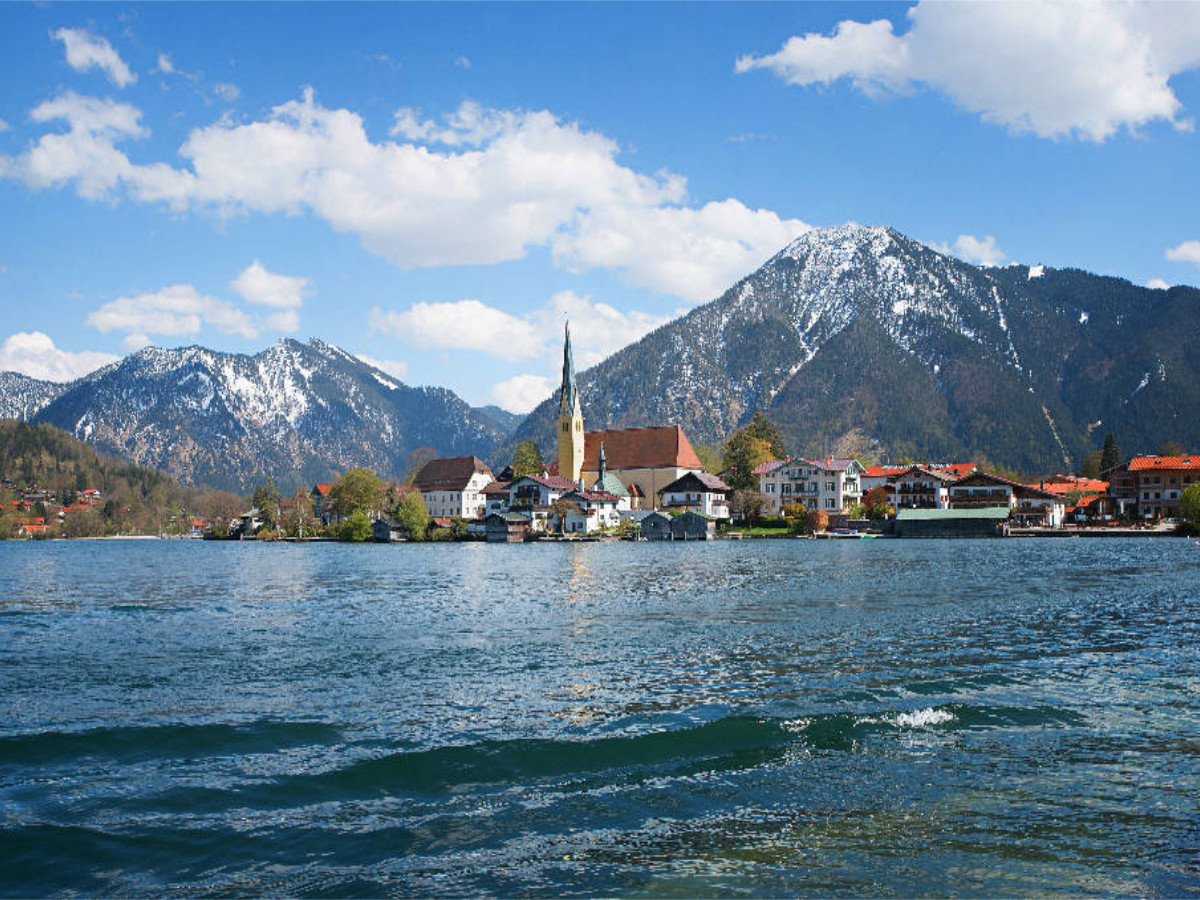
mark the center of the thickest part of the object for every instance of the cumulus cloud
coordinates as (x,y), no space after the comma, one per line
(175,311)
(1054,69)
(461,325)
(521,393)
(968,248)
(695,254)
(502,182)
(88,51)
(1157,284)
(394,367)
(226,92)
(33,353)
(1188,251)
(598,328)
(259,286)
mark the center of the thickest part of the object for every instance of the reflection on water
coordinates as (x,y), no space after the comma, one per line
(764,718)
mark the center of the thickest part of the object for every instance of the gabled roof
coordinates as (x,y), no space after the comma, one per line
(497,487)
(700,482)
(939,474)
(640,448)
(554,482)
(958,470)
(450,473)
(1147,463)
(1021,490)
(594,496)
(322,489)
(884,471)
(769,466)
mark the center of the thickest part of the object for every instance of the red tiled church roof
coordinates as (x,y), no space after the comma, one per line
(640,448)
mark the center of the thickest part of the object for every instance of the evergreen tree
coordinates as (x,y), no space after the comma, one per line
(765,430)
(1110,456)
(266,501)
(743,454)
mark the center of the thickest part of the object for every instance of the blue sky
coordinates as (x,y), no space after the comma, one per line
(434,187)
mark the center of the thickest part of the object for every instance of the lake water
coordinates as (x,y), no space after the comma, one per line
(750,718)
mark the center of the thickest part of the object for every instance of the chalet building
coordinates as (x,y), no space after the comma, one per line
(879,476)
(698,492)
(918,487)
(537,491)
(495,497)
(827,484)
(1026,505)
(1159,481)
(452,487)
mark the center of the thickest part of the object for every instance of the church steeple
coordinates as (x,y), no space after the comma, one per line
(570,418)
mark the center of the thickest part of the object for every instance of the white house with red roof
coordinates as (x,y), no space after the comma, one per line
(452,486)
(589,511)
(1027,505)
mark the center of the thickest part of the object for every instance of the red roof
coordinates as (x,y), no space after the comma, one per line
(450,473)
(322,489)
(640,448)
(1144,463)
(884,471)
(958,470)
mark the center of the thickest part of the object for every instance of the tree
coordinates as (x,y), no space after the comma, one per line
(743,454)
(709,457)
(562,507)
(359,490)
(748,504)
(356,527)
(413,516)
(765,430)
(416,461)
(818,520)
(1189,505)
(876,502)
(1172,448)
(1110,456)
(1093,465)
(527,460)
(301,515)
(266,501)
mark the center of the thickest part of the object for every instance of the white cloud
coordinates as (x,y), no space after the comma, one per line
(504,182)
(462,62)
(165,66)
(598,329)
(88,51)
(226,92)
(1188,251)
(695,254)
(521,393)
(174,311)
(394,367)
(461,325)
(968,248)
(33,353)
(1051,68)
(3,125)
(1157,284)
(264,288)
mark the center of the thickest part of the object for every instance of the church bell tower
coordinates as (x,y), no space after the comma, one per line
(570,419)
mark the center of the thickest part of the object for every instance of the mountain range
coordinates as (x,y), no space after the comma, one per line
(852,339)
(300,412)
(858,339)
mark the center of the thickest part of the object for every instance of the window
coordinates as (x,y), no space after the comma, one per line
(829,503)
(830,486)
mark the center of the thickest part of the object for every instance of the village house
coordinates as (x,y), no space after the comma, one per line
(589,511)
(452,487)
(322,501)
(1027,505)
(510,527)
(919,488)
(699,492)
(1159,482)
(828,484)
(655,527)
(495,497)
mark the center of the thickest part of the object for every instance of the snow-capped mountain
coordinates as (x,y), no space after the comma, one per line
(858,338)
(299,412)
(21,397)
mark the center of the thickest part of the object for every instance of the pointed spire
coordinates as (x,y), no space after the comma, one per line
(570,393)
(603,466)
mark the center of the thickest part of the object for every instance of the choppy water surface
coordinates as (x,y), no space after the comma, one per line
(791,717)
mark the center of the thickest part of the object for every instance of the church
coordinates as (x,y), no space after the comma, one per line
(637,461)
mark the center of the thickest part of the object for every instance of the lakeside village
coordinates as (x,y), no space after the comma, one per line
(649,483)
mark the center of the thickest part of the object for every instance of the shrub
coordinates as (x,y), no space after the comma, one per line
(357,527)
